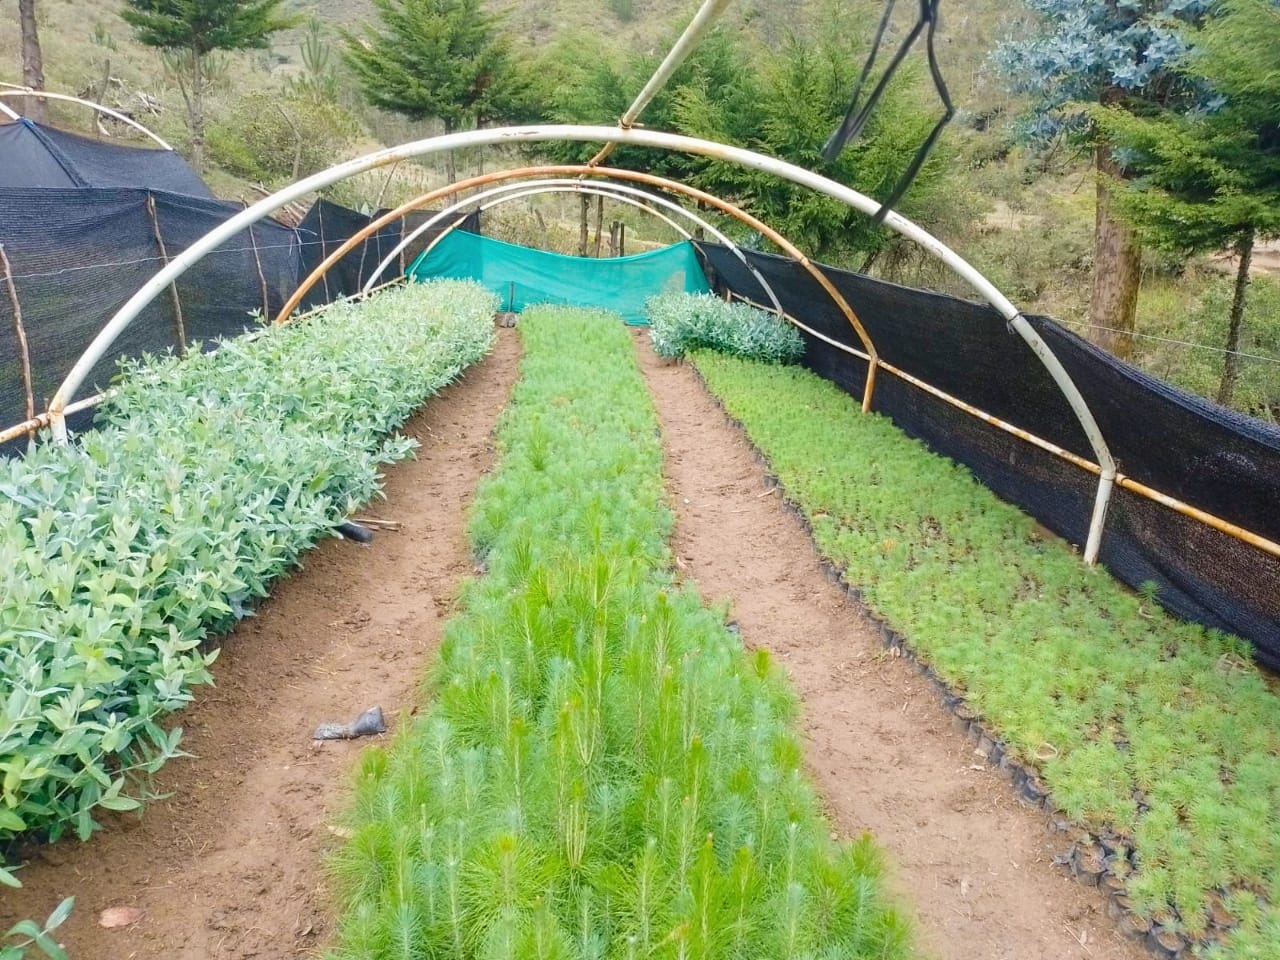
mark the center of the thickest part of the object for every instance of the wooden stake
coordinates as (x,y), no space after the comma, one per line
(173,287)
(262,279)
(23,349)
(599,223)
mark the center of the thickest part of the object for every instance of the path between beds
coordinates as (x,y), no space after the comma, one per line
(971,864)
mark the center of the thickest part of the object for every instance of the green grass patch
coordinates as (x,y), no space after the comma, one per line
(206,479)
(1157,729)
(602,771)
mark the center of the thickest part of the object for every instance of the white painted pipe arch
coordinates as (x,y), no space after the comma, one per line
(67,98)
(526,188)
(638,137)
(565,184)
(577,186)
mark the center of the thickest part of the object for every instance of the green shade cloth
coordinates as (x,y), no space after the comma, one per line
(522,276)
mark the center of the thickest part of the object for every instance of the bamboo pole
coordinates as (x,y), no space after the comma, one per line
(1128,483)
(179,323)
(24,349)
(262,277)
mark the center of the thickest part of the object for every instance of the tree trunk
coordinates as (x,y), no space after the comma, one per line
(1231,368)
(584,225)
(195,107)
(599,223)
(1117,268)
(450,161)
(32,60)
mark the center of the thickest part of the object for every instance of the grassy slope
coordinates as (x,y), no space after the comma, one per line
(602,772)
(1155,734)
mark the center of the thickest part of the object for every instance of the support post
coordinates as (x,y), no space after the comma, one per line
(179,323)
(262,277)
(599,223)
(24,350)
(1106,486)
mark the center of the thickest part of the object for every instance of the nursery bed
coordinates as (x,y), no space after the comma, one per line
(975,865)
(231,865)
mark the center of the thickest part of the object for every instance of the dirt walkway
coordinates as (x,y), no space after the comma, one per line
(971,863)
(232,864)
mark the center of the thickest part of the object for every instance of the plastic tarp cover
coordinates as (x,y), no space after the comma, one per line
(1212,458)
(523,277)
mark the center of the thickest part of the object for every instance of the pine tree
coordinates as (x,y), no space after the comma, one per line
(189,30)
(1110,53)
(1211,180)
(437,60)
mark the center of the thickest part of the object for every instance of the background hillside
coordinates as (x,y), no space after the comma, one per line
(1025,220)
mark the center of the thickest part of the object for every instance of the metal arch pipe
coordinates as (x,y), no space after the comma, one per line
(698,28)
(614,190)
(633,137)
(46,95)
(9,112)
(528,188)
(577,186)
(611,173)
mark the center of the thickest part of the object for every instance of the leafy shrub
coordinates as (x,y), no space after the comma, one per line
(273,138)
(682,322)
(1154,729)
(206,479)
(602,772)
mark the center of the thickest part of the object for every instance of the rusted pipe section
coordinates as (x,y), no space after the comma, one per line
(574,170)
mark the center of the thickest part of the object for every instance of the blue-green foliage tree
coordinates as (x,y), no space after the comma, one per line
(1208,180)
(1116,53)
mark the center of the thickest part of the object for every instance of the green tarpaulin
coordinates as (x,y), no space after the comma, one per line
(522,276)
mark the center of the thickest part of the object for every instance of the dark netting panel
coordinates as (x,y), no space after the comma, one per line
(77,256)
(327,226)
(250,274)
(1181,445)
(32,155)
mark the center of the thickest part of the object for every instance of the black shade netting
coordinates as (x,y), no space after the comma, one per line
(1185,447)
(327,226)
(32,155)
(77,256)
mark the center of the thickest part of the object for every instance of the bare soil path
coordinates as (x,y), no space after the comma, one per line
(232,865)
(971,863)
